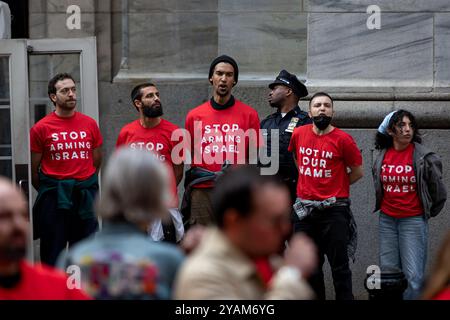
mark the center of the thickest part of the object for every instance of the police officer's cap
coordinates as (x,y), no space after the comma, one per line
(291,81)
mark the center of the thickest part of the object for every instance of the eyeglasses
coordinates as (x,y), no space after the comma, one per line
(66,91)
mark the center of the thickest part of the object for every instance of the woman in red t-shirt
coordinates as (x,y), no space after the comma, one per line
(438,284)
(409,190)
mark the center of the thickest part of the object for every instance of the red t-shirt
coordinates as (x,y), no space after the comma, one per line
(156,139)
(443,295)
(400,197)
(323,161)
(219,135)
(66,145)
(264,269)
(40,282)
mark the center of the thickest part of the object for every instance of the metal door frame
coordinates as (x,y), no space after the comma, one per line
(87,49)
(16,50)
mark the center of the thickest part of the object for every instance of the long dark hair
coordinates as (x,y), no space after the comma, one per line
(385,141)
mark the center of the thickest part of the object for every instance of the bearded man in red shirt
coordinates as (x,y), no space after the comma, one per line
(150,132)
(65,159)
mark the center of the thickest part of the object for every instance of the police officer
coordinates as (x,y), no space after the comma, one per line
(285,92)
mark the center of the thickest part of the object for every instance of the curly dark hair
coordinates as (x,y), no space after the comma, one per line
(51,89)
(385,141)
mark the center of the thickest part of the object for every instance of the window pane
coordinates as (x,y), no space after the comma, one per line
(4,81)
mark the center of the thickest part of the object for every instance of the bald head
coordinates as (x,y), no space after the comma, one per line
(14,224)
(8,188)
(10,194)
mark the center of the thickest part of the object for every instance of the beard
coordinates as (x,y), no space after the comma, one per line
(13,253)
(68,105)
(153,111)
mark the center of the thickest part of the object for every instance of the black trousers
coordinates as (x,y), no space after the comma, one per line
(59,227)
(329,229)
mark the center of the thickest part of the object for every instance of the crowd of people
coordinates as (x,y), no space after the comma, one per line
(237,233)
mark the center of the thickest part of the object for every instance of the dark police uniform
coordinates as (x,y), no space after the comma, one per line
(286,125)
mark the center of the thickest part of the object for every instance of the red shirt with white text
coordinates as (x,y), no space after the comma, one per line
(156,139)
(323,161)
(400,197)
(66,144)
(219,135)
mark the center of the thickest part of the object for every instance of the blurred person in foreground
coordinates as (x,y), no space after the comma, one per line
(238,258)
(19,280)
(121,261)
(438,284)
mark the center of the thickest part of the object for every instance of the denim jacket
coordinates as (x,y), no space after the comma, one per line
(430,185)
(122,262)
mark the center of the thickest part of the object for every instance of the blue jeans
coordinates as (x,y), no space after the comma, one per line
(403,245)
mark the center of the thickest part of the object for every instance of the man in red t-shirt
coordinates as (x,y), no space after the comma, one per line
(153,133)
(18,279)
(65,159)
(222,130)
(328,162)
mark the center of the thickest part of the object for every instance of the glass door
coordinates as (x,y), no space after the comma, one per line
(14,155)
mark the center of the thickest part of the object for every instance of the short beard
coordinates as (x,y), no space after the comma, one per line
(66,106)
(153,112)
(12,254)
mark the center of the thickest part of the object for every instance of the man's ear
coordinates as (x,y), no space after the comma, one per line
(289,91)
(53,97)
(210,80)
(137,103)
